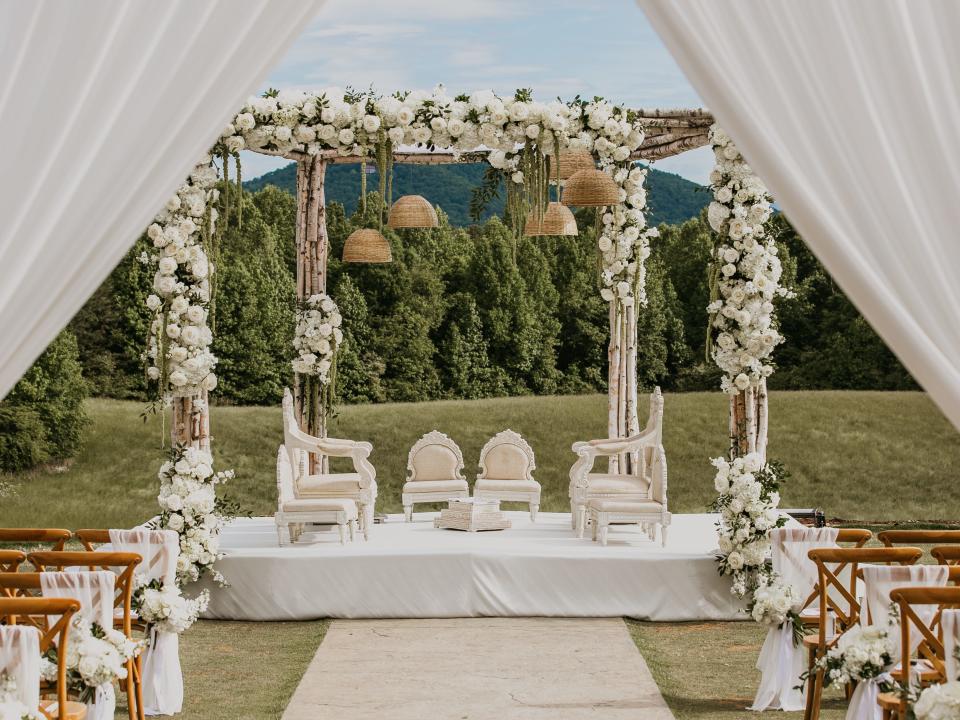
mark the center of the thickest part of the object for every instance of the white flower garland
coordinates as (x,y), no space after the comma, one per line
(317,337)
(293,120)
(10,706)
(189,506)
(178,348)
(96,656)
(743,327)
(747,502)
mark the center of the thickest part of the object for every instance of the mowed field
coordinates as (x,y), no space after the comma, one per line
(858,455)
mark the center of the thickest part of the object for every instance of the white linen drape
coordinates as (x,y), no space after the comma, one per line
(104,108)
(94,590)
(950,625)
(20,660)
(162,674)
(780,661)
(846,109)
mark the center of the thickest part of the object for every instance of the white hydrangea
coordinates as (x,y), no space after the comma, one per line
(861,653)
(939,702)
(166,609)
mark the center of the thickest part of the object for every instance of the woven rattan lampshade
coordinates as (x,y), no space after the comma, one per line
(572,161)
(367,246)
(590,188)
(556,220)
(412,211)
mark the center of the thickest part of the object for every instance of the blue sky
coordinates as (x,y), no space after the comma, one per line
(556,47)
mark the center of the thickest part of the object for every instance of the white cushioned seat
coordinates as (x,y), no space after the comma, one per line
(601,483)
(432,486)
(624,506)
(494,485)
(328,484)
(349,507)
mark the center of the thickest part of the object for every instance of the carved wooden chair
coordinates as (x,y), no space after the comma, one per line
(53,538)
(837,598)
(920,636)
(10,560)
(294,512)
(434,472)
(946,554)
(124,565)
(640,477)
(506,472)
(305,451)
(50,618)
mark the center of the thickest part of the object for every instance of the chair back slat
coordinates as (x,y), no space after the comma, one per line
(10,560)
(946,554)
(892,538)
(56,538)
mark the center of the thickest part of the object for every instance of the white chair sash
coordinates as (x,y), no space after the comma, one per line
(94,590)
(780,662)
(878,581)
(950,625)
(162,674)
(20,660)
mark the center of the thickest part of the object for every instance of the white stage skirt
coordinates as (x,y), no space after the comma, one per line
(412,570)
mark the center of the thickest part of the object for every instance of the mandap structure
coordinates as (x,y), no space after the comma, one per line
(589,149)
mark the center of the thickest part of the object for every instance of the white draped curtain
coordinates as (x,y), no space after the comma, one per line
(105,106)
(847,109)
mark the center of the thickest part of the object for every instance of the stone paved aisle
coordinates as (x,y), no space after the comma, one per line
(478,669)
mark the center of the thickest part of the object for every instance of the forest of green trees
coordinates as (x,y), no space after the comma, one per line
(462,312)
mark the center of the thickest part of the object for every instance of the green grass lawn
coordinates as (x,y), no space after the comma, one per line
(859,455)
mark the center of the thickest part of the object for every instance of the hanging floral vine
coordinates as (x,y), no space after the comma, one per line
(316,340)
(745,277)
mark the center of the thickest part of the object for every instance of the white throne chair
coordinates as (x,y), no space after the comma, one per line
(643,484)
(359,485)
(434,472)
(293,512)
(506,472)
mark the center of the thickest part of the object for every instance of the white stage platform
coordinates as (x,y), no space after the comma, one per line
(412,570)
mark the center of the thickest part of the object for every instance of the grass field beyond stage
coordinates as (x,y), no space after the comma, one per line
(860,455)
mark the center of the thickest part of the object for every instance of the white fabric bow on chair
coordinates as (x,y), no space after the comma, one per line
(878,581)
(94,591)
(781,662)
(162,677)
(20,661)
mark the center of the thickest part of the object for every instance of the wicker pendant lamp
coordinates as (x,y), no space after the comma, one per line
(556,220)
(591,188)
(572,161)
(412,211)
(367,246)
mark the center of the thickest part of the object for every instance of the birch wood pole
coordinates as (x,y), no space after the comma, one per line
(613,381)
(749,421)
(763,417)
(312,251)
(632,426)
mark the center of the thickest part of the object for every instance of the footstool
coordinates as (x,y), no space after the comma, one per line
(649,514)
(294,514)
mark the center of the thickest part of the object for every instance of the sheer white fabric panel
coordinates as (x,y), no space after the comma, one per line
(780,661)
(950,623)
(105,107)
(20,660)
(846,109)
(162,673)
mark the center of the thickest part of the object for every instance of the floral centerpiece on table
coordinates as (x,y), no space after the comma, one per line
(746,271)
(10,706)
(190,507)
(96,657)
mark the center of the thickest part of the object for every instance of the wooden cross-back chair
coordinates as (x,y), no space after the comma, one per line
(946,554)
(838,597)
(10,560)
(54,538)
(894,538)
(124,565)
(52,616)
(854,537)
(930,649)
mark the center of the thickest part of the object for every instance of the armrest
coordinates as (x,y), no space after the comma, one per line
(335,447)
(613,446)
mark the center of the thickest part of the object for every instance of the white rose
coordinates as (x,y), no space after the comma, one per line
(735,560)
(175,522)
(190,335)
(405,116)
(741,381)
(167,266)
(345,136)
(371,123)
(517,177)
(396,135)
(209,382)
(455,127)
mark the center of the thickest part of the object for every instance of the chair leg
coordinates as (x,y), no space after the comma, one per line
(593,529)
(408,512)
(131,692)
(581,521)
(663,535)
(138,685)
(808,700)
(573,516)
(603,535)
(353,529)
(533,512)
(342,527)
(367,520)
(283,534)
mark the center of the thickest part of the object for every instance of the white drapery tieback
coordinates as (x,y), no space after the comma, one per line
(863,703)
(162,676)
(781,663)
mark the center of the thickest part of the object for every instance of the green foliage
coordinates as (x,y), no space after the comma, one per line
(43,416)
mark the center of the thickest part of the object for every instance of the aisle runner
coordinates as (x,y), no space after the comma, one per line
(478,669)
